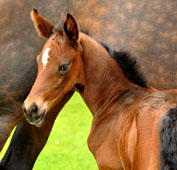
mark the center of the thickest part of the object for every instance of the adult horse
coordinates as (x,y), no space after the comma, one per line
(134,125)
(18,71)
(130,25)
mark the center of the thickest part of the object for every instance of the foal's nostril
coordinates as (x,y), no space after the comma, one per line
(33,111)
(34,108)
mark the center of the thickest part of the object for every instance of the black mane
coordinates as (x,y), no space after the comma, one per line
(128,65)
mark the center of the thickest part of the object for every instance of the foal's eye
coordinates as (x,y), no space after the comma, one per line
(63,68)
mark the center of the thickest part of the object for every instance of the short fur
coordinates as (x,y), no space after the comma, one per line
(168,136)
(42,25)
(125,127)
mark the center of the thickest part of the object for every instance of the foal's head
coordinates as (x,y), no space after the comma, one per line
(60,67)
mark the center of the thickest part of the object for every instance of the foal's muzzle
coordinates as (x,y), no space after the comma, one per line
(33,114)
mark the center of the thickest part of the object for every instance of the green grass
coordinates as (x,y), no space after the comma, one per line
(67,148)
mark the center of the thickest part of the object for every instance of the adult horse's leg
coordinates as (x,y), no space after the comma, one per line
(6,127)
(28,141)
(10,115)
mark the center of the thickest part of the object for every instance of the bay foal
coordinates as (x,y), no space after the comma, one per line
(134,126)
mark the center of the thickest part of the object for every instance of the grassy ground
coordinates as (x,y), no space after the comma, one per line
(67,147)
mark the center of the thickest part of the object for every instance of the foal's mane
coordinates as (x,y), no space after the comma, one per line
(128,65)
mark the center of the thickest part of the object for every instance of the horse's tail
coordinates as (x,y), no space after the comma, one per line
(168,140)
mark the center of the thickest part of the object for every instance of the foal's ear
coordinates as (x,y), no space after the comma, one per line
(42,25)
(70,28)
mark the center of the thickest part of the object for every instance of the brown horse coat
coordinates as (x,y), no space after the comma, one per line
(131,121)
(128,25)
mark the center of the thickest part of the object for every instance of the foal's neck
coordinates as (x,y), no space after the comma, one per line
(104,79)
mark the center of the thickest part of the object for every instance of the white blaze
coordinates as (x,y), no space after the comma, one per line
(45,56)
